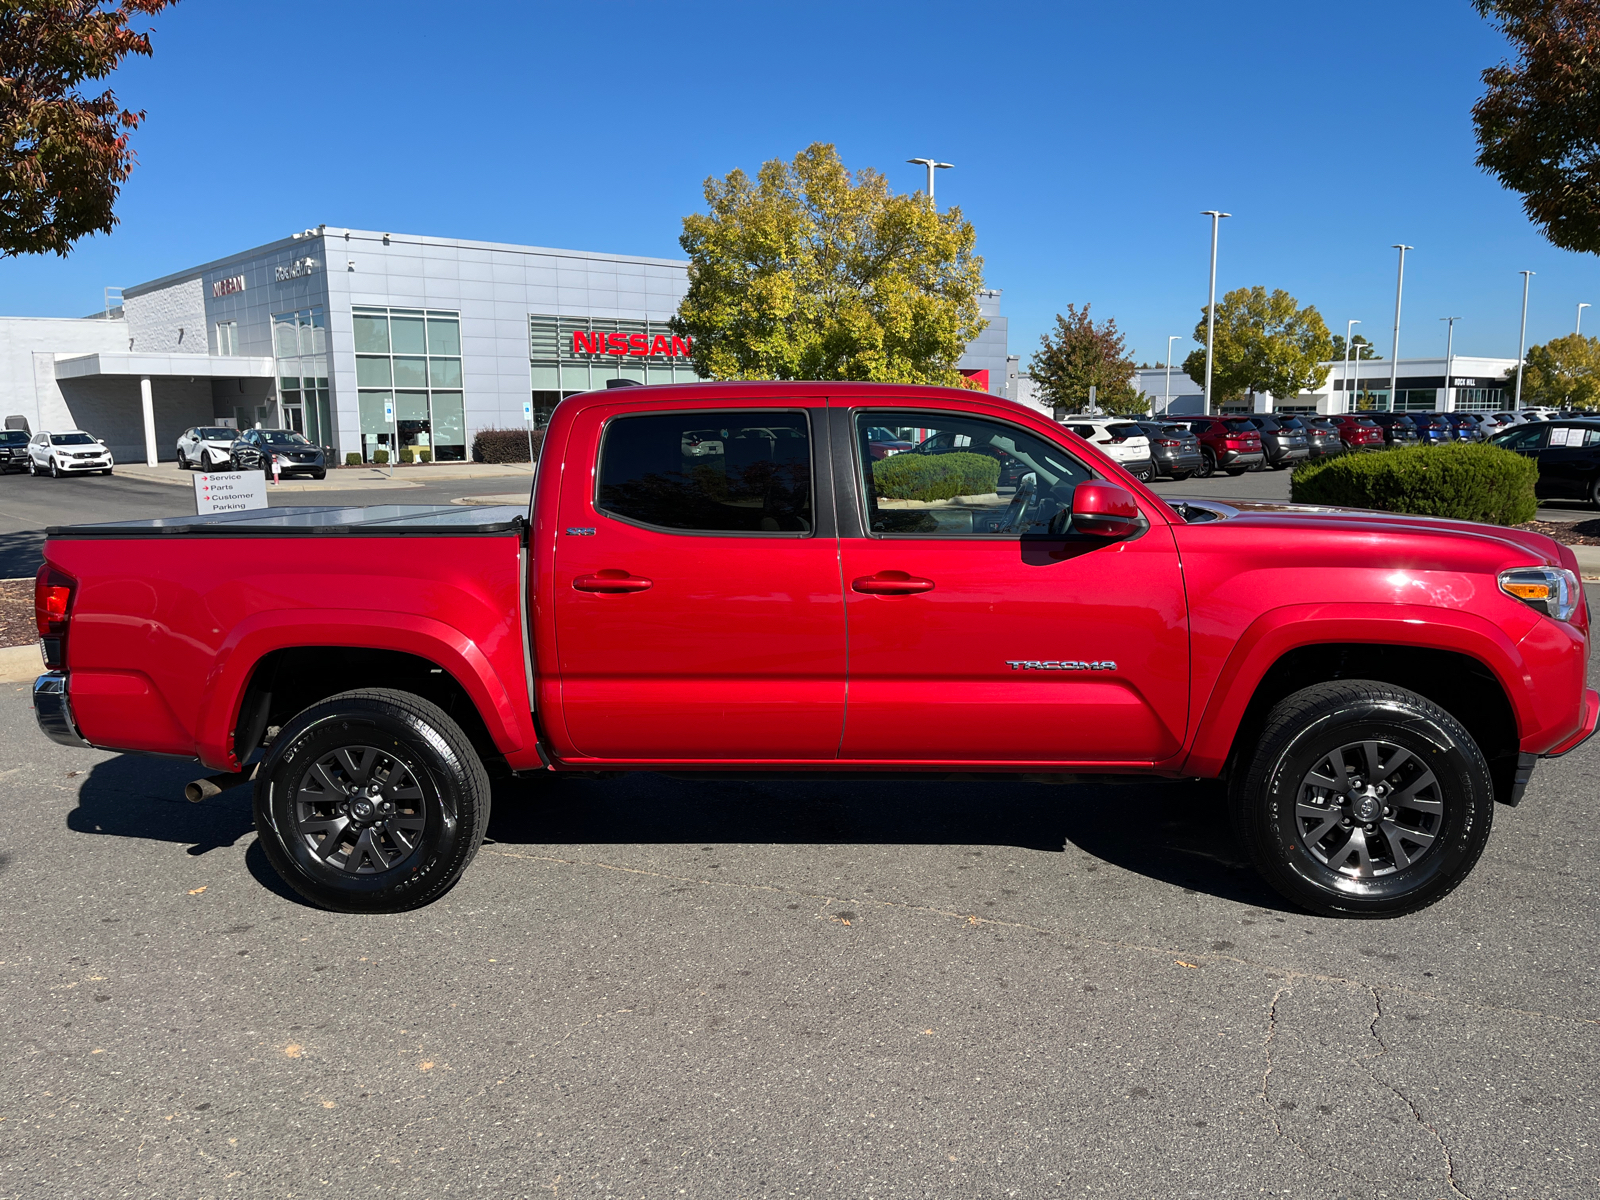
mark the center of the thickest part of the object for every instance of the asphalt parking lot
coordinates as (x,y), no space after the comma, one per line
(650,987)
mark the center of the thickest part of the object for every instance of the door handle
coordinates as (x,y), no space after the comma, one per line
(891,583)
(611,582)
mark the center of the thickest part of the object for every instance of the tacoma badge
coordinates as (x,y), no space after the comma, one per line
(1064,665)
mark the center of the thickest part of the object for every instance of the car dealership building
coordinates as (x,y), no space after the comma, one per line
(366,341)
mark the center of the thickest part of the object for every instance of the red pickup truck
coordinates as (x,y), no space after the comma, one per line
(1368,684)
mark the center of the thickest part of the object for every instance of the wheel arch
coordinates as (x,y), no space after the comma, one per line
(1459,682)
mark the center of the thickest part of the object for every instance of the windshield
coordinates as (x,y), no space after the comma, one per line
(13,437)
(71,439)
(283,437)
(217,434)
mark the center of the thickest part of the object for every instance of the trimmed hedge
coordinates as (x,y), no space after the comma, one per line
(935,476)
(1463,481)
(504,445)
(353,459)
(380,457)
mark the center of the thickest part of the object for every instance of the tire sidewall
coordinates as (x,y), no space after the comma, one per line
(1464,785)
(447,840)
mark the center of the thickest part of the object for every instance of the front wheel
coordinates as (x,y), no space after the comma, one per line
(1363,799)
(1208,465)
(371,801)
(55,469)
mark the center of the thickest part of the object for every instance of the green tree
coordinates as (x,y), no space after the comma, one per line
(63,154)
(1363,348)
(1536,123)
(1562,373)
(1265,342)
(812,272)
(1082,352)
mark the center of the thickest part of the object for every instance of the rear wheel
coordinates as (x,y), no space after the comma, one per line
(1594,492)
(371,801)
(1363,800)
(33,468)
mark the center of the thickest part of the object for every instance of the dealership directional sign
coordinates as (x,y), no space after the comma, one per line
(231,491)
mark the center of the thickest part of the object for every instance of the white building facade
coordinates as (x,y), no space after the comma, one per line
(366,341)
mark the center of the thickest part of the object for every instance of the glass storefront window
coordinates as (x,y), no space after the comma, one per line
(413,355)
(300,342)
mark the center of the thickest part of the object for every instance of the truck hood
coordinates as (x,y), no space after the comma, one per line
(1366,520)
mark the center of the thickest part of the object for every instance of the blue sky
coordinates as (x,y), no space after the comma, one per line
(1087,137)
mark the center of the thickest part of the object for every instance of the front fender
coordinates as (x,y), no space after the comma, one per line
(1280,630)
(255,637)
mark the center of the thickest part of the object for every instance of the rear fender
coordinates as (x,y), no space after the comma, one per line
(1275,633)
(448,648)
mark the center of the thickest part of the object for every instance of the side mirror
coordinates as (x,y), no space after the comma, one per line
(1107,510)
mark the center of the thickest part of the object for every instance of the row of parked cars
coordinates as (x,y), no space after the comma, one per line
(222,448)
(54,453)
(1178,448)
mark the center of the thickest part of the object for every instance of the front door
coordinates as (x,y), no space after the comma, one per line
(982,628)
(1567,462)
(697,606)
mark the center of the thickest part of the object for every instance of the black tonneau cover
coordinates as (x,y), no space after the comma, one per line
(374,520)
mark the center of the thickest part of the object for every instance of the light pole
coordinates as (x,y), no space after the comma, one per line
(1578,328)
(1166,404)
(1349,328)
(1211,308)
(1522,342)
(931,164)
(1449,348)
(1399,286)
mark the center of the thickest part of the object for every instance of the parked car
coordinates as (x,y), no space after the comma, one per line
(1434,429)
(1284,439)
(13,450)
(700,443)
(1230,444)
(1122,439)
(883,443)
(260,449)
(1175,451)
(1358,431)
(1399,429)
(1568,454)
(637,624)
(67,452)
(1464,424)
(207,447)
(1322,437)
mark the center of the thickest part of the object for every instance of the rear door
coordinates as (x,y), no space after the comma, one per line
(698,611)
(981,628)
(1567,462)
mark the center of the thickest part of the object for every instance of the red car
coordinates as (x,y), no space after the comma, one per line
(1230,444)
(1358,432)
(1369,684)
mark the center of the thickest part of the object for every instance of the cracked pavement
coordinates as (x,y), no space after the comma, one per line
(654,987)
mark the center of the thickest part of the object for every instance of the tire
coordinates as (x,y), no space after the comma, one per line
(1235,472)
(107,471)
(400,859)
(33,467)
(55,469)
(1279,466)
(1180,476)
(1385,866)
(183,463)
(1208,465)
(1594,493)
(323,474)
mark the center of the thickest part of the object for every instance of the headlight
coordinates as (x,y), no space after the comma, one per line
(1554,591)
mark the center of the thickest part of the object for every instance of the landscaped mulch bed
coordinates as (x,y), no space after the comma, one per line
(16,613)
(1573,533)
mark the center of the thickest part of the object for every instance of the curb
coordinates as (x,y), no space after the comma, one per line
(20,664)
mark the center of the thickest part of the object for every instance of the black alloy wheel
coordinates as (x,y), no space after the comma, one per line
(1363,799)
(1208,464)
(371,801)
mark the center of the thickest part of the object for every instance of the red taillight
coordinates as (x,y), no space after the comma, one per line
(52,597)
(1168,442)
(1116,441)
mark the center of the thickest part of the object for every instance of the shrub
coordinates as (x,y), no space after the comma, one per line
(380,457)
(353,459)
(935,476)
(504,445)
(1463,481)
(425,456)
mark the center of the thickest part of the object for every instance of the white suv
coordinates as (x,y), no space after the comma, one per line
(206,446)
(1122,439)
(67,453)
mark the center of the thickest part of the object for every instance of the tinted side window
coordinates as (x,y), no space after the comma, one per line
(967,477)
(713,472)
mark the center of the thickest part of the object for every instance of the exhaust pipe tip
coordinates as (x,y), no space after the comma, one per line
(211,785)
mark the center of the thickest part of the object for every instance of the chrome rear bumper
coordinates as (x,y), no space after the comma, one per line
(54,710)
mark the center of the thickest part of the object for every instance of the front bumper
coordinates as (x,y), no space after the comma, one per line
(53,710)
(88,464)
